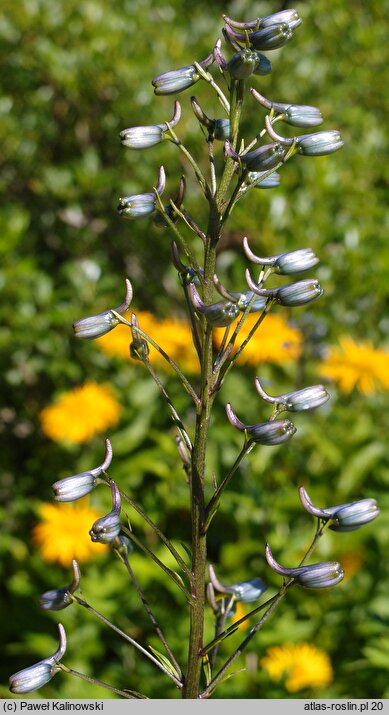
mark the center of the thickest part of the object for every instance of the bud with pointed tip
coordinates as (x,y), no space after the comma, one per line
(97,325)
(271,36)
(263,66)
(219,315)
(176,81)
(290,17)
(262,180)
(306,399)
(284,263)
(73,488)
(319,143)
(145,137)
(34,677)
(245,591)
(321,575)
(345,517)
(268,433)
(292,295)
(107,528)
(262,159)
(242,64)
(139,205)
(60,598)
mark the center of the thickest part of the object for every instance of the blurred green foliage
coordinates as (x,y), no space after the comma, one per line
(73,76)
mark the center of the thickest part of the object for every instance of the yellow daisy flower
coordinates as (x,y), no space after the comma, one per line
(304,666)
(78,415)
(357,365)
(275,340)
(172,335)
(62,534)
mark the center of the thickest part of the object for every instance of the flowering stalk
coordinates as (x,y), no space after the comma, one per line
(244,168)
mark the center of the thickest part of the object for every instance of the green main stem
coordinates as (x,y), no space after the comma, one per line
(192,686)
(199,537)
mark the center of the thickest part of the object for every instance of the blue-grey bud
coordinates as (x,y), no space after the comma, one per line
(220,314)
(284,263)
(221,129)
(107,528)
(321,575)
(267,433)
(175,81)
(143,137)
(344,517)
(137,205)
(299,293)
(242,64)
(73,488)
(34,677)
(291,17)
(263,66)
(263,180)
(307,398)
(271,37)
(319,143)
(60,598)
(245,591)
(264,158)
(299,115)
(97,325)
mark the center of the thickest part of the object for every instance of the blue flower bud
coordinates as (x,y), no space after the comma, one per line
(299,293)
(291,295)
(140,205)
(34,677)
(137,205)
(106,529)
(321,575)
(55,600)
(175,81)
(242,64)
(263,66)
(290,17)
(265,158)
(243,299)
(344,517)
(285,263)
(97,325)
(306,399)
(143,137)
(220,314)
(221,130)
(268,433)
(271,37)
(319,143)
(73,488)
(299,115)
(245,591)
(60,598)
(263,180)
(295,262)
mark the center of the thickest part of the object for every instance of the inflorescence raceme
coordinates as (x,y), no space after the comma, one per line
(247,163)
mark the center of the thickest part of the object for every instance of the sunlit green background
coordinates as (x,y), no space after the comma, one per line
(73,76)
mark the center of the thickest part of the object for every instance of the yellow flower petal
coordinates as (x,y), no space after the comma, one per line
(62,534)
(81,413)
(275,340)
(356,365)
(304,666)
